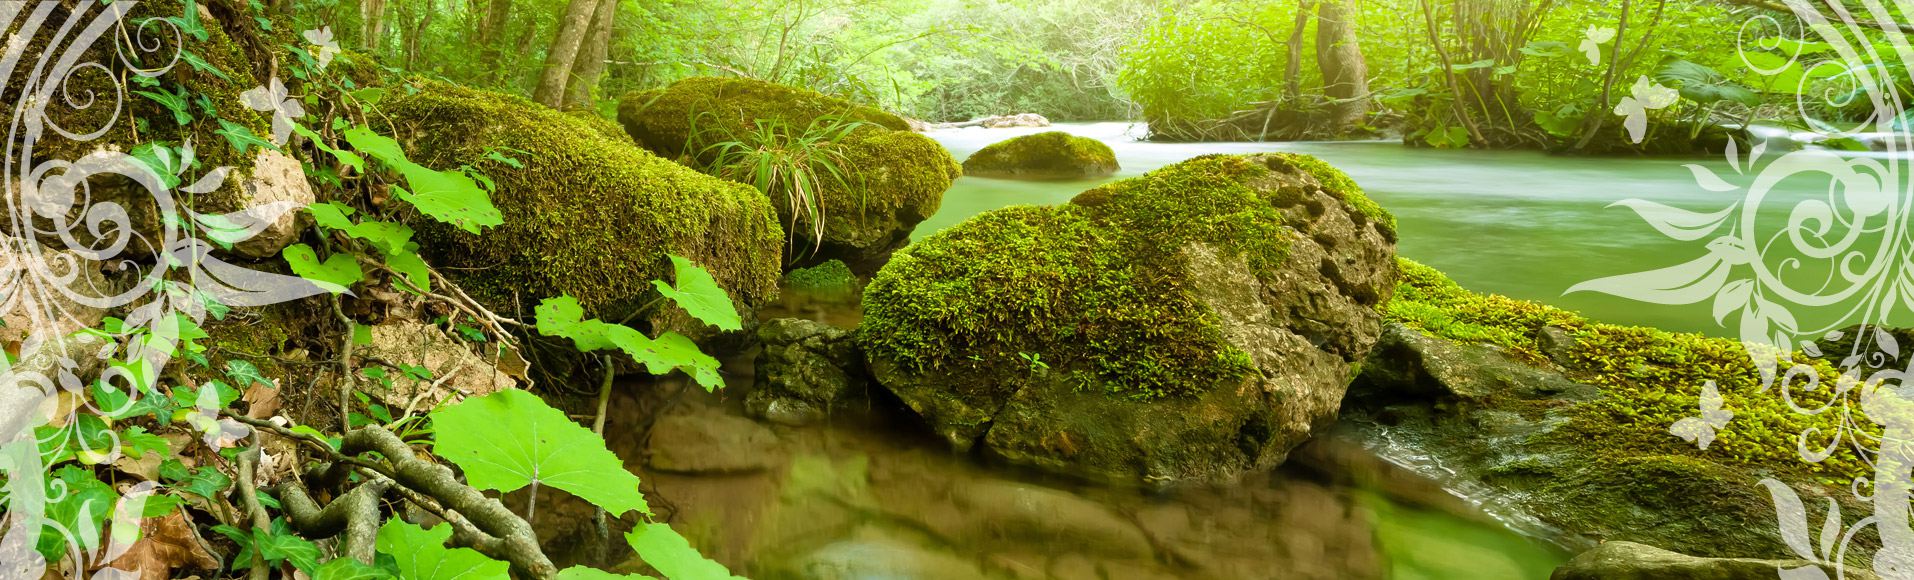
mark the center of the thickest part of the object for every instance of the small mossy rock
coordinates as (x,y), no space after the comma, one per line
(665,120)
(830,276)
(896,177)
(586,216)
(1632,561)
(1409,364)
(805,370)
(275,179)
(1048,155)
(1190,324)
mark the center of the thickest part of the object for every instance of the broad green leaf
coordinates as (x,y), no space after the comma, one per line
(335,274)
(662,548)
(699,295)
(349,158)
(561,317)
(79,503)
(510,439)
(348,569)
(332,215)
(409,264)
(422,555)
(369,95)
(448,196)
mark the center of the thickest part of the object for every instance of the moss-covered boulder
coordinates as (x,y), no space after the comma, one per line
(586,215)
(1047,155)
(1550,418)
(1190,324)
(894,178)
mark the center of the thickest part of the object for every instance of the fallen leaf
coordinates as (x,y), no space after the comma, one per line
(166,544)
(261,400)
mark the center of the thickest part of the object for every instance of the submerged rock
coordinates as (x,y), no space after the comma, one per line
(1050,155)
(710,442)
(586,216)
(1632,561)
(806,370)
(1191,324)
(895,177)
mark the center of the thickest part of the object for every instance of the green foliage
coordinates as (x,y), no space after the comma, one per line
(1206,60)
(832,275)
(661,547)
(563,317)
(453,197)
(510,439)
(793,165)
(421,554)
(336,274)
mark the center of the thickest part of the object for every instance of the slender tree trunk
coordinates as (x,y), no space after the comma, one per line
(415,38)
(1292,73)
(491,39)
(566,42)
(591,60)
(1345,74)
(372,13)
(510,62)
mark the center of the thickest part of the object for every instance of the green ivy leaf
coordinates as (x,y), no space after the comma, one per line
(80,509)
(348,569)
(281,545)
(335,274)
(510,439)
(241,137)
(421,554)
(204,482)
(201,65)
(699,295)
(661,547)
(244,373)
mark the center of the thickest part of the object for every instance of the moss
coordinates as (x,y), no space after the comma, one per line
(1649,379)
(1093,285)
(599,124)
(830,275)
(1340,185)
(1048,155)
(897,177)
(664,120)
(587,216)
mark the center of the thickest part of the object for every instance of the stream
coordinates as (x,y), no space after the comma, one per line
(872,496)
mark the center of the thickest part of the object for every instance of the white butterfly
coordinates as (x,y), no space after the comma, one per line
(1644,97)
(1592,42)
(1701,430)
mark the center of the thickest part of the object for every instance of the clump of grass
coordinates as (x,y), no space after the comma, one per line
(788,163)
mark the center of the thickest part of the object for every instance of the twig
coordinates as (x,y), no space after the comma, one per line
(249,499)
(598,426)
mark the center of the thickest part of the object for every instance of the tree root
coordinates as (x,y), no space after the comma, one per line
(355,514)
(478,522)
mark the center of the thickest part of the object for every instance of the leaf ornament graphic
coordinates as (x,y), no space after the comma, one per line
(1701,430)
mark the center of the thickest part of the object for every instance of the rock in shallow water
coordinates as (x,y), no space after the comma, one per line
(1632,561)
(1190,324)
(806,369)
(1050,155)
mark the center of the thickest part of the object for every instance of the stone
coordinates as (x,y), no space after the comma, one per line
(1191,324)
(1631,561)
(711,442)
(876,556)
(898,180)
(1556,344)
(1411,365)
(1015,121)
(1048,155)
(276,183)
(805,370)
(48,294)
(457,371)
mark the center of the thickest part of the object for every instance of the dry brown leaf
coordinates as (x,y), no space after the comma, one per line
(166,544)
(262,401)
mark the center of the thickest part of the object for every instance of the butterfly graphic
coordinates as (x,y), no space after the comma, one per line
(1701,430)
(1645,96)
(1592,42)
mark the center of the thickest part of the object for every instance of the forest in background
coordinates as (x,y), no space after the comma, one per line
(1541,74)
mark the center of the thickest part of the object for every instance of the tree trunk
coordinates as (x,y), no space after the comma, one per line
(566,42)
(591,59)
(414,38)
(372,13)
(491,38)
(1293,71)
(510,61)
(1345,75)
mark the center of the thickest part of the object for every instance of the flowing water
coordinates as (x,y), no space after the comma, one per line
(872,496)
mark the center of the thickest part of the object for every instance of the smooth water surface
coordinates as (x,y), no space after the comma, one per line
(1524,224)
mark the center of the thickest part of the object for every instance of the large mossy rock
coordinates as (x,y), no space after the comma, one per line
(1632,561)
(586,215)
(1048,155)
(896,178)
(1190,324)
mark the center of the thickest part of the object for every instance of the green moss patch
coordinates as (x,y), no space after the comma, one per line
(1649,379)
(1048,155)
(665,120)
(587,215)
(1093,286)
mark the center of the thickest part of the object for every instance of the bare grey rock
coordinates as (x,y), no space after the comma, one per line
(458,371)
(275,178)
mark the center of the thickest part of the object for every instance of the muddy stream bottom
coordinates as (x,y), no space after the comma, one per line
(871,495)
